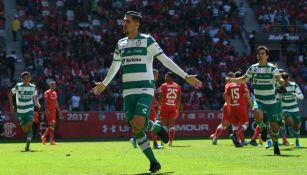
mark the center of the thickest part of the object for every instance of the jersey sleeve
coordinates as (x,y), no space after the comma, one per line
(162,89)
(116,55)
(249,73)
(14,90)
(275,71)
(298,92)
(46,94)
(153,47)
(244,87)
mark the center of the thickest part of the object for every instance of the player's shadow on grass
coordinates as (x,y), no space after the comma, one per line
(180,146)
(159,173)
(283,155)
(31,151)
(292,148)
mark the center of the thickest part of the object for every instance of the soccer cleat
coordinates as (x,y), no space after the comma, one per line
(27,148)
(157,146)
(214,141)
(264,135)
(170,144)
(286,143)
(297,144)
(276,150)
(234,140)
(133,142)
(163,134)
(253,142)
(154,167)
(269,144)
(43,140)
(53,143)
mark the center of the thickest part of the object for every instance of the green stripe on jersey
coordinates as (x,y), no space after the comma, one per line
(24,100)
(25,107)
(265,97)
(134,68)
(138,84)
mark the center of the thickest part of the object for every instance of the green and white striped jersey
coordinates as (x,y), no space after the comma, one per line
(289,100)
(24,97)
(264,82)
(136,56)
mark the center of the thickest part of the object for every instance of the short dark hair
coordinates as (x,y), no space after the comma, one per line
(238,74)
(284,75)
(25,73)
(171,74)
(135,16)
(263,48)
(231,74)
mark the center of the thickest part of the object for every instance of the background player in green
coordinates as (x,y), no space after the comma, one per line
(26,94)
(135,53)
(290,108)
(264,75)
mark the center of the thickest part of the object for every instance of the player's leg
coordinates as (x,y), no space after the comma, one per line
(258,114)
(225,123)
(274,116)
(152,117)
(139,120)
(26,121)
(257,131)
(172,129)
(296,127)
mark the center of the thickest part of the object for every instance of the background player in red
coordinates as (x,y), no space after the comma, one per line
(226,120)
(169,103)
(51,109)
(236,97)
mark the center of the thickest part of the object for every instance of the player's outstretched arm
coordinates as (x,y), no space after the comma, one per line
(192,80)
(101,86)
(240,80)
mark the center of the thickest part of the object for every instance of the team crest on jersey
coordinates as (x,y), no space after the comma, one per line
(138,43)
(123,43)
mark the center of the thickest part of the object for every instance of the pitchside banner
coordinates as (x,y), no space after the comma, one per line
(113,124)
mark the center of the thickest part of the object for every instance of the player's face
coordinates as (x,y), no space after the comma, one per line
(53,85)
(262,56)
(129,25)
(26,79)
(156,76)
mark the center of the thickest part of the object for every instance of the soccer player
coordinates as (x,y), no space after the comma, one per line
(51,110)
(226,117)
(135,53)
(169,102)
(237,96)
(264,75)
(26,94)
(290,107)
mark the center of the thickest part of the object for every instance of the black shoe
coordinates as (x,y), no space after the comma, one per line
(163,134)
(253,142)
(264,134)
(154,167)
(234,140)
(276,150)
(27,148)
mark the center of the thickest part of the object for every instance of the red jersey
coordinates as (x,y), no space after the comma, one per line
(236,94)
(51,97)
(172,93)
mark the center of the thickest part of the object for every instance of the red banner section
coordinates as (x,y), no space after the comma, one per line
(113,124)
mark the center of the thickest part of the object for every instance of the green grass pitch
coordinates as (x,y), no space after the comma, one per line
(118,157)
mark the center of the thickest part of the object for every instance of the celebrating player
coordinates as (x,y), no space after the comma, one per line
(26,93)
(135,53)
(290,107)
(264,75)
(51,109)
(169,102)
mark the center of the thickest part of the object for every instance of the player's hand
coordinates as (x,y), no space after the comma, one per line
(12,108)
(38,106)
(192,80)
(99,88)
(227,79)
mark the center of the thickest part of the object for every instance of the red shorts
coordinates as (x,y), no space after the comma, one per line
(152,116)
(168,113)
(51,117)
(237,115)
